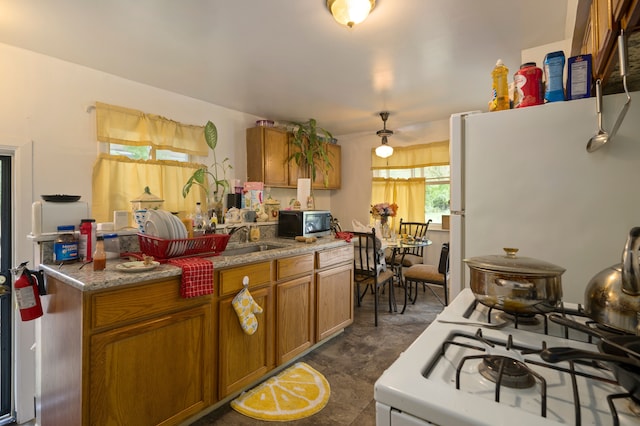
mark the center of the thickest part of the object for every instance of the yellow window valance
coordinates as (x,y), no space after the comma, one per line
(410,157)
(131,127)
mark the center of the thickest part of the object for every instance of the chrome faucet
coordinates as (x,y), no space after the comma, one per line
(244,228)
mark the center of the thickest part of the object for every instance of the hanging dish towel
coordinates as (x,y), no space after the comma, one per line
(197,276)
(246,307)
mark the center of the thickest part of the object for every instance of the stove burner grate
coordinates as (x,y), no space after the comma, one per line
(520,319)
(511,372)
(499,368)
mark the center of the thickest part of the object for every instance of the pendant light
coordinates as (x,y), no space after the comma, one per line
(384,150)
(350,12)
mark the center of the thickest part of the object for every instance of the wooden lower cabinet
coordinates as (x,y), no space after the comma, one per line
(153,372)
(139,355)
(334,289)
(244,358)
(295,318)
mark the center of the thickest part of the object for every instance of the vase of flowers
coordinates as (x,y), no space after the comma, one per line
(382,212)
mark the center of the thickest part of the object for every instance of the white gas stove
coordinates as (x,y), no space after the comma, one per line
(443,378)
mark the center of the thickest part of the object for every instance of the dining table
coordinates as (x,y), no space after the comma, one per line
(399,247)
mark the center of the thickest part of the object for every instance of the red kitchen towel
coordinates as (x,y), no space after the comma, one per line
(197,276)
(347,236)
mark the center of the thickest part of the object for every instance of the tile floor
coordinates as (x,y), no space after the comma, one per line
(353,361)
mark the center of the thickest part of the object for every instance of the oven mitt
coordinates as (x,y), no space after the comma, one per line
(246,307)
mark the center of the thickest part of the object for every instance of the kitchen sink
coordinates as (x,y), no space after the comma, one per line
(248,249)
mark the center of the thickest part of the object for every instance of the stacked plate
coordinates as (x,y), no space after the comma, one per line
(165,225)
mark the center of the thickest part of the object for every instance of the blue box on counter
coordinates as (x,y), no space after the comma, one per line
(579,77)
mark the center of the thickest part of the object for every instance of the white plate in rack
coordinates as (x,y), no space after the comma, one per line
(156,225)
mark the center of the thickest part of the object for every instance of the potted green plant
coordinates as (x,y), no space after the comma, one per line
(214,191)
(311,155)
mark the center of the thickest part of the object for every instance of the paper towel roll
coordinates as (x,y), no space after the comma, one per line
(304,190)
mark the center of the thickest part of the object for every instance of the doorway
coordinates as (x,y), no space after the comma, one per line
(6,263)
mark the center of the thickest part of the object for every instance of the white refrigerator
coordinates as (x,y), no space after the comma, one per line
(523,178)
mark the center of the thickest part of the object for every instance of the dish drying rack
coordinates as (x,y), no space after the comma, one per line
(162,250)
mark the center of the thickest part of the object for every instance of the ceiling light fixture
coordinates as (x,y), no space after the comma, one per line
(350,12)
(384,150)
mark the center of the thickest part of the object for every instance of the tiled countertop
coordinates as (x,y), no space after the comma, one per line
(86,279)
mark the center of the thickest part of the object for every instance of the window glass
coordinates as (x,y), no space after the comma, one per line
(438,195)
(133,152)
(163,154)
(146,153)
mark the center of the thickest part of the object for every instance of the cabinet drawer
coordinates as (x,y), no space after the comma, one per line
(128,304)
(334,256)
(292,266)
(230,280)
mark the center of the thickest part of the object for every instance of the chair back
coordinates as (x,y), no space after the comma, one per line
(366,254)
(417,230)
(443,265)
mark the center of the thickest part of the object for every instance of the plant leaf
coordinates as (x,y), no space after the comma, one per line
(211,135)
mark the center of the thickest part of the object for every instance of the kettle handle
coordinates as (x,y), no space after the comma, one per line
(630,264)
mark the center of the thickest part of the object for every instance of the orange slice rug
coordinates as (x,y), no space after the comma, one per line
(296,393)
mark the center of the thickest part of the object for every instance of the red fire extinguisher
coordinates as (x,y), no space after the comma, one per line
(27,293)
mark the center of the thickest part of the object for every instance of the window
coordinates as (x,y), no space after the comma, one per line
(141,150)
(416,176)
(146,153)
(437,183)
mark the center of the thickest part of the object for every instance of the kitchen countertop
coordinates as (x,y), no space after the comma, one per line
(86,279)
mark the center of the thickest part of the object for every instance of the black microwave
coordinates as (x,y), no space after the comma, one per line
(306,223)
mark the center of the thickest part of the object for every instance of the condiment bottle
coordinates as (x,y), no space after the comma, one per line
(500,92)
(199,221)
(86,245)
(99,256)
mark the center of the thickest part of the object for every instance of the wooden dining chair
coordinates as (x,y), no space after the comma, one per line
(429,275)
(368,271)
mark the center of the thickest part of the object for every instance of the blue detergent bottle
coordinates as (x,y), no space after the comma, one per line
(553,71)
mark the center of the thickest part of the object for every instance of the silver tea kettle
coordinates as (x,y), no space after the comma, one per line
(612,297)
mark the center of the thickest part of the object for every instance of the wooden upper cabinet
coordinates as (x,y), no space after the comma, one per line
(267,154)
(268,151)
(334,173)
(334,177)
(606,19)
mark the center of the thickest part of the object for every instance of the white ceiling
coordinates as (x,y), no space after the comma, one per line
(289,60)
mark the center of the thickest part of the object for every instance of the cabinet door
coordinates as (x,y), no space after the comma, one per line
(605,34)
(333,174)
(245,358)
(267,155)
(334,152)
(152,372)
(295,318)
(334,300)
